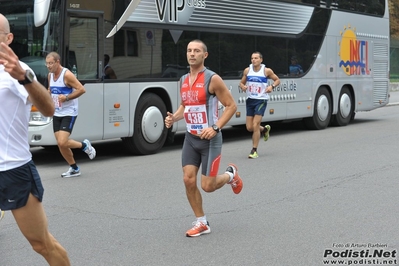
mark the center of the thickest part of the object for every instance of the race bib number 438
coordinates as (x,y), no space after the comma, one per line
(196,118)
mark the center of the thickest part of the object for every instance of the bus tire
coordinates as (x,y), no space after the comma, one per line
(321,110)
(353,115)
(345,108)
(149,133)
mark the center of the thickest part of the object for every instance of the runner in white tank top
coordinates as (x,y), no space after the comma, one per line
(255,83)
(65,89)
(59,88)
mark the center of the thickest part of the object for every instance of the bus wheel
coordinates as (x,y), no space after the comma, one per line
(150,132)
(345,108)
(321,111)
(353,116)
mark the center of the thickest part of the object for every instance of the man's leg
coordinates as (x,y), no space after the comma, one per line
(259,111)
(256,130)
(201,226)
(63,127)
(209,184)
(212,183)
(193,194)
(249,123)
(65,145)
(32,222)
(253,125)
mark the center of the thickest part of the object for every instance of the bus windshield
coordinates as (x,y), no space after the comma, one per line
(31,44)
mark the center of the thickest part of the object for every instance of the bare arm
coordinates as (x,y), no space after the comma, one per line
(178,115)
(223,94)
(40,98)
(38,94)
(71,81)
(171,118)
(110,72)
(243,81)
(276,81)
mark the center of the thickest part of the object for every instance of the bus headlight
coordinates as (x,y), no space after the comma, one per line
(37,119)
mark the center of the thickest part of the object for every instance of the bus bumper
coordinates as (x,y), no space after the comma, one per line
(41,135)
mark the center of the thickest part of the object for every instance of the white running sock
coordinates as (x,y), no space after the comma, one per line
(202,219)
(231,175)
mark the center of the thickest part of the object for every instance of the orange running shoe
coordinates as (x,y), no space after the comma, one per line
(199,229)
(236,183)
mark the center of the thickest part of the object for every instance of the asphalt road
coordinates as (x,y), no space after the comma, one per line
(311,197)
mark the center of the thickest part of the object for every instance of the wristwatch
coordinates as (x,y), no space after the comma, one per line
(29,77)
(67,98)
(216,128)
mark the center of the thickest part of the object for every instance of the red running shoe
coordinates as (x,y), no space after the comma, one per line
(236,183)
(199,229)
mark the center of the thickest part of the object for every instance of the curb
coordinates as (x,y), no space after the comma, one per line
(392,104)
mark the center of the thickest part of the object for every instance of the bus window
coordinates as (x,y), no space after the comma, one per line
(83,47)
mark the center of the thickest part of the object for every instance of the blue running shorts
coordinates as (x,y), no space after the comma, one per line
(17,184)
(256,107)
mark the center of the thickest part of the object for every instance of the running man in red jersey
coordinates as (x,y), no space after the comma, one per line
(200,91)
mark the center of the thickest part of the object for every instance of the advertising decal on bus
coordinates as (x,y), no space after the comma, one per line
(353,53)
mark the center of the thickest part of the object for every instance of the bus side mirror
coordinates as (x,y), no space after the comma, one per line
(41,11)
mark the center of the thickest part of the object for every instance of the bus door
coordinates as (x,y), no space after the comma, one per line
(84,44)
(83,55)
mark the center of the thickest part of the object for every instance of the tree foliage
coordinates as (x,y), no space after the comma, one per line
(394,18)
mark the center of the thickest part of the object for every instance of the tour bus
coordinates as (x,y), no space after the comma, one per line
(342,47)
